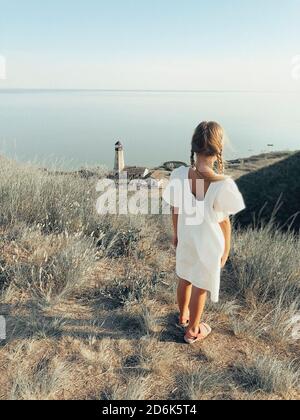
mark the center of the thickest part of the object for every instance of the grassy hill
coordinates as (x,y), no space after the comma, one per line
(276,186)
(90,303)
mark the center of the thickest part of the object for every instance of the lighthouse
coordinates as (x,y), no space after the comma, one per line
(119,158)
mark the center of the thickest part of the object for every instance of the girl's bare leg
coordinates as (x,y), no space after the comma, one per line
(197,305)
(184,293)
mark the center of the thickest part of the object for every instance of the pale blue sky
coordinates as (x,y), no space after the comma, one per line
(150,44)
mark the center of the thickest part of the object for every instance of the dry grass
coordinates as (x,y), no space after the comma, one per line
(91,309)
(269,375)
(203,383)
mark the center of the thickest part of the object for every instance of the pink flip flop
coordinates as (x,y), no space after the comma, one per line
(205,331)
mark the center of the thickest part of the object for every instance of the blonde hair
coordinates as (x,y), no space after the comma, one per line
(208,141)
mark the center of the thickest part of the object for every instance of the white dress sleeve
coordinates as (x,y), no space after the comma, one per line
(229,201)
(172,192)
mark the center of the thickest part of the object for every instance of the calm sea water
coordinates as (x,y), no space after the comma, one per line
(81,127)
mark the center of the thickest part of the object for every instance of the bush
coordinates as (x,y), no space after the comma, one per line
(54,275)
(56,203)
(265,264)
(269,375)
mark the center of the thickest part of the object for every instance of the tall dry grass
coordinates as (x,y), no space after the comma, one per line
(55,203)
(91,308)
(264,274)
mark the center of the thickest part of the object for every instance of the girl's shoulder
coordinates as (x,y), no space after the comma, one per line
(226,180)
(227,188)
(228,199)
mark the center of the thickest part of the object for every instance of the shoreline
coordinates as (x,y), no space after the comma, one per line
(234,167)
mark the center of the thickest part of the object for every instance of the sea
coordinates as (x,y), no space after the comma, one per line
(75,128)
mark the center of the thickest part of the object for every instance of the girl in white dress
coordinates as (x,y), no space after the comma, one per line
(202,202)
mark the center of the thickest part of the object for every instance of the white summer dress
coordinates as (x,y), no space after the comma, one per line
(201,242)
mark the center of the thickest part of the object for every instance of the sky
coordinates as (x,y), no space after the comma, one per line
(150,44)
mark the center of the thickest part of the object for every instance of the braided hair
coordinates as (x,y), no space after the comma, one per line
(208,140)
(193,162)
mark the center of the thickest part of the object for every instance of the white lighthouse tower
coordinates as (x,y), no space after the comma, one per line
(119,158)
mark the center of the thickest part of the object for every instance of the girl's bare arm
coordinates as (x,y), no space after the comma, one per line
(227,232)
(175,225)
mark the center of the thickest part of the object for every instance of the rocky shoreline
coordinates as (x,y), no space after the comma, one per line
(235,168)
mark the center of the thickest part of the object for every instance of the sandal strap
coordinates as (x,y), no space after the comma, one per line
(200,334)
(207,327)
(190,335)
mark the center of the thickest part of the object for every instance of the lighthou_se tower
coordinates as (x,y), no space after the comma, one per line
(119,158)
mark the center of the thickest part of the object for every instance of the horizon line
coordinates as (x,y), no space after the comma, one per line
(36,90)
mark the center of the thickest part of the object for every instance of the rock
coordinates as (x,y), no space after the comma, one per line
(170,166)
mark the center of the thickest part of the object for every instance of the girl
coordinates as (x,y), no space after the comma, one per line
(202,202)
